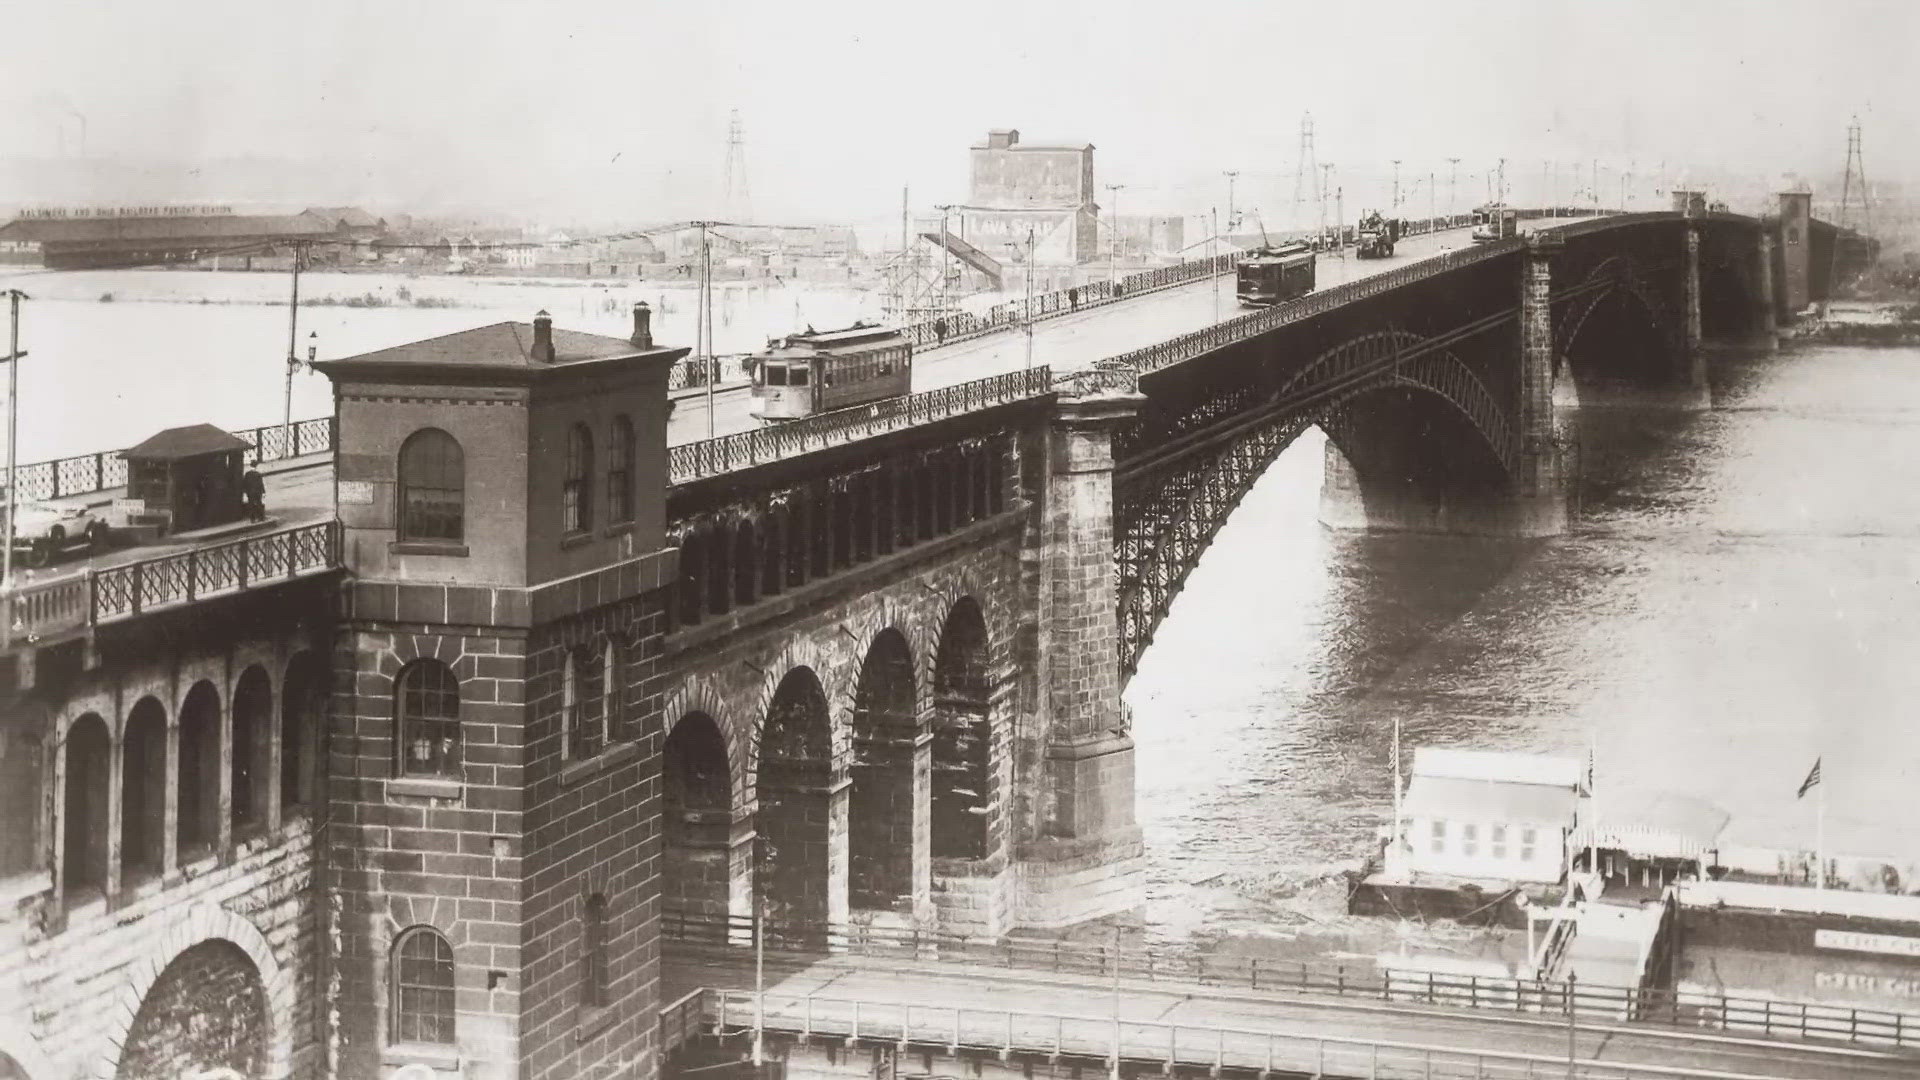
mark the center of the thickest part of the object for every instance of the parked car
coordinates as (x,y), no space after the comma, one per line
(42,530)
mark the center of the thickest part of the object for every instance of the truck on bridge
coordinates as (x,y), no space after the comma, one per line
(1377,235)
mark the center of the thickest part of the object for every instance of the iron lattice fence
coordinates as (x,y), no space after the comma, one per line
(124,591)
(1535,997)
(105,470)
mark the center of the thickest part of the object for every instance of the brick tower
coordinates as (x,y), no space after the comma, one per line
(491,865)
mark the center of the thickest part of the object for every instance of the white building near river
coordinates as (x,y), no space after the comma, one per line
(1487,815)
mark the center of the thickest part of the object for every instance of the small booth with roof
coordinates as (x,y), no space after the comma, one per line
(185,479)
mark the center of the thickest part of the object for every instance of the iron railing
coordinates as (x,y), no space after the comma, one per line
(121,592)
(1162,1045)
(105,470)
(1667,1008)
(710,457)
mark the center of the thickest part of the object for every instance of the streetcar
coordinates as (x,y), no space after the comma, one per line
(1269,275)
(821,370)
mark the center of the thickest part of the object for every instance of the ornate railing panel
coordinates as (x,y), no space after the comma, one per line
(84,474)
(711,457)
(123,591)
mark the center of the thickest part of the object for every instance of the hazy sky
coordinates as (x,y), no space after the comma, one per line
(620,109)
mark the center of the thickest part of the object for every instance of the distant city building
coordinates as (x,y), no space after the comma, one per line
(73,242)
(1016,187)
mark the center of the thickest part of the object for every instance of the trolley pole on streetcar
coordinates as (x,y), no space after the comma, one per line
(14,296)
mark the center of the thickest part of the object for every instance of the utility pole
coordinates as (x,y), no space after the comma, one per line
(1340,217)
(1213,252)
(1433,204)
(946,264)
(1231,220)
(1030,269)
(293,360)
(14,296)
(1326,187)
(1502,187)
(1453,187)
(1855,182)
(1113,242)
(1395,206)
(1306,173)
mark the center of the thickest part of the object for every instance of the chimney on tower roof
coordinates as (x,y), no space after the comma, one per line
(543,338)
(642,326)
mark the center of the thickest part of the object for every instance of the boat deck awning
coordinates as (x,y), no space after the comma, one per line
(1665,825)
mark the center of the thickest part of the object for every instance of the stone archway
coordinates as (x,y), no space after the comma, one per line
(696,781)
(883,814)
(206,1010)
(963,792)
(797,806)
(215,985)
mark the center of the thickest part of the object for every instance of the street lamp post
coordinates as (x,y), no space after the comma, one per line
(1028,319)
(14,296)
(1113,242)
(1395,208)
(1230,174)
(293,359)
(1453,188)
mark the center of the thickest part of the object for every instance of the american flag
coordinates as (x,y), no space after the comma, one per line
(1812,780)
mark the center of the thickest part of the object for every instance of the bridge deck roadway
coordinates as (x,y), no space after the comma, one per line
(1072,342)
(1047,994)
(300,492)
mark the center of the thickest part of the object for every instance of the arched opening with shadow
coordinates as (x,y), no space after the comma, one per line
(964,802)
(1618,341)
(252,748)
(1728,310)
(796,793)
(26,728)
(696,787)
(143,793)
(303,722)
(199,798)
(89,787)
(881,816)
(207,1011)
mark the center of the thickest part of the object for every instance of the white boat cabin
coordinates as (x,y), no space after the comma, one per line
(1488,815)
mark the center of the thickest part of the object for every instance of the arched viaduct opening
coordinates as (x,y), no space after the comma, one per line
(796,793)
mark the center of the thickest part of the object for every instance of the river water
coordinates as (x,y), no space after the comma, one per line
(115,356)
(1737,598)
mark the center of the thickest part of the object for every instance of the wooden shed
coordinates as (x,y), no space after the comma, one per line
(188,477)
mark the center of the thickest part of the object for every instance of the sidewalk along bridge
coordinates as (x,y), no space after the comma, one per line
(709,943)
(821,1034)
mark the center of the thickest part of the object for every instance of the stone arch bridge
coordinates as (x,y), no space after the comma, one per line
(835,588)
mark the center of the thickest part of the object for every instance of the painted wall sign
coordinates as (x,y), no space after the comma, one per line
(356,493)
(1854,941)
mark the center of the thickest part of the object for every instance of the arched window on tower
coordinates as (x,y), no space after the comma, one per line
(432,488)
(427,716)
(422,993)
(576,493)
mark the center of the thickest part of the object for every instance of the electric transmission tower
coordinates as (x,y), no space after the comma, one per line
(739,199)
(1855,183)
(1306,173)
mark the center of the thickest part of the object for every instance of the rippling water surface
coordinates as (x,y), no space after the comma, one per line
(1738,596)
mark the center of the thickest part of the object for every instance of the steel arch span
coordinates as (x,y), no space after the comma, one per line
(1171,503)
(1613,275)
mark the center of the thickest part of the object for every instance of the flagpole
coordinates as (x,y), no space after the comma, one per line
(1593,803)
(1820,833)
(1394,853)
